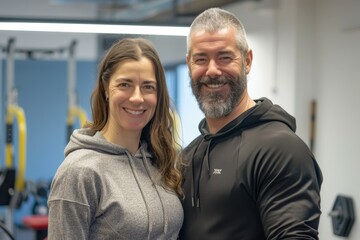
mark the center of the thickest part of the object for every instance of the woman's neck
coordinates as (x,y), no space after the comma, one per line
(126,139)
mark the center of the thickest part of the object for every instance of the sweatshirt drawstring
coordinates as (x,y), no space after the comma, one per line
(157,191)
(195,180)
(193,175)
(207,159)
(141,191)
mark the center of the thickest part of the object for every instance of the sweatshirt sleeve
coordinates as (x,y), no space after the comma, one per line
(289,181)
(68,220)
(72,202)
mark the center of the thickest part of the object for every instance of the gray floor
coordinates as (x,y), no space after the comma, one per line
(20,234)
(24,234)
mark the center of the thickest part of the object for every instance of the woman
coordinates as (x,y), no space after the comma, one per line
(119,179)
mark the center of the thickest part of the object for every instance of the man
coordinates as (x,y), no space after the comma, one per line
(248,175)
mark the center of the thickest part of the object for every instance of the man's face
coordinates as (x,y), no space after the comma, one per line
(218,72)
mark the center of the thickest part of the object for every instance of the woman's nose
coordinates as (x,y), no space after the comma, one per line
(136,95)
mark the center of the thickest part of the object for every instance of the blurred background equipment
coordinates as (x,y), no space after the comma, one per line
(13,175)
(342,216)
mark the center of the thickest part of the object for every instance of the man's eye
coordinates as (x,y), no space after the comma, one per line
(199,60)
(225,59)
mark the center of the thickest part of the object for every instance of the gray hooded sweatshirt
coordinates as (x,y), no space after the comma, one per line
(101,191)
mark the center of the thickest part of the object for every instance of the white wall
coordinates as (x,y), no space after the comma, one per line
(259,22)
(337,63)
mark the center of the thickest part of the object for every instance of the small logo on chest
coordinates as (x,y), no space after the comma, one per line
(217,171)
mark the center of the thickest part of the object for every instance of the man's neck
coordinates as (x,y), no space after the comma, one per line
(215,124)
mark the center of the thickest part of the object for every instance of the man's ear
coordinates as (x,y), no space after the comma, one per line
(248,61)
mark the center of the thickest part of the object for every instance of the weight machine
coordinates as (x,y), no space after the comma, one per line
(12,179)
(13,188)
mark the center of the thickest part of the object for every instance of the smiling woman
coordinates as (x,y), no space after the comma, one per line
(132,101)
(119,177)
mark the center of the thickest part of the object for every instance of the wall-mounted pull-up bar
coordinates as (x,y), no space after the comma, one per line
(74,111)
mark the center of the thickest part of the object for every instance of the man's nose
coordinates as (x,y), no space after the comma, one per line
(213,69)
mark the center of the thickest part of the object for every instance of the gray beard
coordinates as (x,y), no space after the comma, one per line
(218,105)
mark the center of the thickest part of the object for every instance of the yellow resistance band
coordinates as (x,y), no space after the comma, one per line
(12,112)
(76,112)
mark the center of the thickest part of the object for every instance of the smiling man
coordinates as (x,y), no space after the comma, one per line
(248,175)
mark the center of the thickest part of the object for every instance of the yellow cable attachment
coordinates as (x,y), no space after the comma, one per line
(12,112)
(76,112)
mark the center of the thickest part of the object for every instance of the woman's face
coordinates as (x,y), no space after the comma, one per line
(132,95)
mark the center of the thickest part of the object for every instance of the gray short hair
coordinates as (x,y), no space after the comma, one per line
(214,19)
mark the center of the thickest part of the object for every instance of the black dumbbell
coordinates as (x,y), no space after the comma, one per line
(342,216)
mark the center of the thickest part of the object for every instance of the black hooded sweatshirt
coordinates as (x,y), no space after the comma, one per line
(254,179)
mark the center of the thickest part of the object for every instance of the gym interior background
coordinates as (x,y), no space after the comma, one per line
(305,51)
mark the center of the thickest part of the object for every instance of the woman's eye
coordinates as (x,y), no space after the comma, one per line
(150,88)
(124,85)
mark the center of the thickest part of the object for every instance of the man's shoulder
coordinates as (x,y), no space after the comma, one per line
(191,147)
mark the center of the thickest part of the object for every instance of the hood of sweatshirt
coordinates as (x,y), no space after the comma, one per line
(264,111)
(86,138)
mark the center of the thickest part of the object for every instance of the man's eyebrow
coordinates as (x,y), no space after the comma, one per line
(202,54)
(226,52)
(199,54)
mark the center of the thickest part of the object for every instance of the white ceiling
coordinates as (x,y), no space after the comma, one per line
(179,12)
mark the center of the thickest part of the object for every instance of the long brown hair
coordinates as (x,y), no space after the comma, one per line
(159,132)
